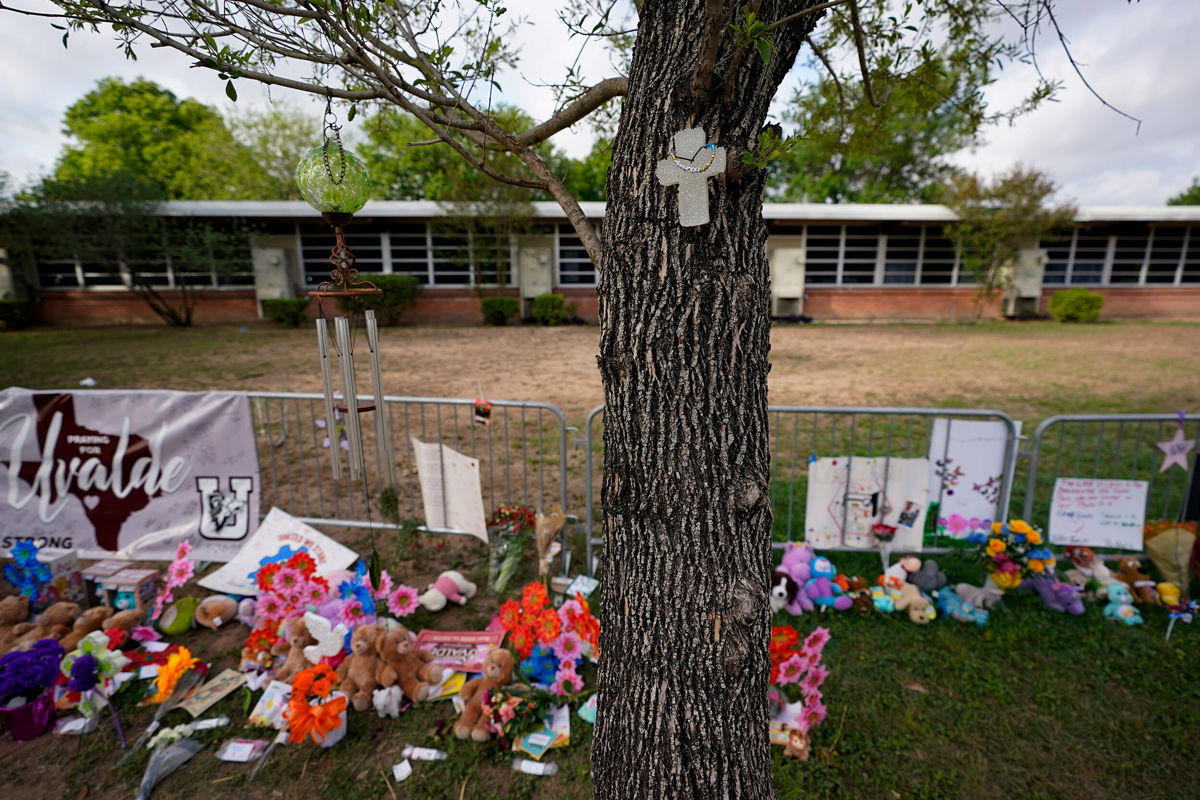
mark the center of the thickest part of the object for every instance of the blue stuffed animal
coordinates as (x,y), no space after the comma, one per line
(1120,605)
(821,588)
(950,604)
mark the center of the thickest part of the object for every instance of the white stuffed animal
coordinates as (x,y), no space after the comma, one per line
(450,587)
(387,701)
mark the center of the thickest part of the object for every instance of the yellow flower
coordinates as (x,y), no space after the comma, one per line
(1020,526)
(997,527)
(997,545)
(169,673)
(1036,565)
(1033,537)
(1006,580)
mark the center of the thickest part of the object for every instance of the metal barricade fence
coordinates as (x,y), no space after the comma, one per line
(798,433)
(1108,446)
(522,455)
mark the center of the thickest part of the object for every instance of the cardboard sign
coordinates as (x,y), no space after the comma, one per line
(966,471)
(1098,513)
(450,489)
(862,492)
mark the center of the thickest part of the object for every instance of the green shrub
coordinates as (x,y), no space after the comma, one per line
(549,309)
(16,314)
(287,311)
(399,292)
(498,310)
(1076,305)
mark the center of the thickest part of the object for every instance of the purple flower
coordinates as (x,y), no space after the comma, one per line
(32,670)
(85,674)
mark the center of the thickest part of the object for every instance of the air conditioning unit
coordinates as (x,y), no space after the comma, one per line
(1023,291)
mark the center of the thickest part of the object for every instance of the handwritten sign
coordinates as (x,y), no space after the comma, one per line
(1098,513)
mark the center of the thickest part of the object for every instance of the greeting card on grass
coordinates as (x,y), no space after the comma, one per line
(459,650)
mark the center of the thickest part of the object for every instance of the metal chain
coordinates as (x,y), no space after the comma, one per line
(331,127)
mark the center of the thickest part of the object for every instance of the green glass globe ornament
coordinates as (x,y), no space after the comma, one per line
(333,180)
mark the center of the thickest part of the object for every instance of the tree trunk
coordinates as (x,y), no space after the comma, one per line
(685,315)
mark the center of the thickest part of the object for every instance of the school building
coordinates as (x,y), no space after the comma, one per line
(828,263)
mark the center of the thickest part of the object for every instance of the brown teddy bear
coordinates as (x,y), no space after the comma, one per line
(293,644)
(860,593)
(53,623)
(126,620)
(215,611)
(401,663)
(91,620)
(497,672)
(1130,572)
(914,602)
(14,610)
(356,675)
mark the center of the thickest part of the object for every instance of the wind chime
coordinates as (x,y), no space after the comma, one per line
(335,182)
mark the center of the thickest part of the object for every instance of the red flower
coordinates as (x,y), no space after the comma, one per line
(547,626)
(784,638)
(266,576)
(534,598)
(522,640)
(510,615)
(303,562)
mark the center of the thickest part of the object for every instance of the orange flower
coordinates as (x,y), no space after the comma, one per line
(783,638)
(547,626)
(997,527)
(1036,565)
(522,640)
(1020,526)
(169,673)
(997,546)
(510,615)
(534,598)
(313,682)
(317,721)
(1033,537)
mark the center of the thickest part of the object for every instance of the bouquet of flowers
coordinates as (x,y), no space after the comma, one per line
(25,675)
(1011,551)
(513,711)
(510,526)
(312,711)
(800,665)
(25,572)
(90,669)
(179,573)
(552,644)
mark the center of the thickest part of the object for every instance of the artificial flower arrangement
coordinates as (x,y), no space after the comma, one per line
(90,670)
(514,711)
(26,675)
(1011,551)
(25,572)
(552,644)
(796,664)
(314,711)
(178,664)
(179,573)
(510,526)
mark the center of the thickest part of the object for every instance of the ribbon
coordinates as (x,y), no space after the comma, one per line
(316,721)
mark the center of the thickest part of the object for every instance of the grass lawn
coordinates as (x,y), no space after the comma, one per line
(1036,704)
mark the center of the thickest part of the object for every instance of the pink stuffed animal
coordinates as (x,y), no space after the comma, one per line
(797,564)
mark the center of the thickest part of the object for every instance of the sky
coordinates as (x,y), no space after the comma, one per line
(1141,57)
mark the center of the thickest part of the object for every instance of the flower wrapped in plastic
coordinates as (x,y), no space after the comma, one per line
(90,668)
(314,710)
(1012,550)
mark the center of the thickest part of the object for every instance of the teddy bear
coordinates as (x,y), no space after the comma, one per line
(293,643)
(450,587)
(215,611)
(497,672)
(928,578)
(14,610)
(822,589)
(1130,572)
(400,663)
(953,606)
(1120,605)
(125,620)
(53,623)
(356,674)
(91,620)
(1057,595)
(916,604)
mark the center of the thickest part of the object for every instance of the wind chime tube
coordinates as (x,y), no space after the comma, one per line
(383,433)
(330,416)
(350,396)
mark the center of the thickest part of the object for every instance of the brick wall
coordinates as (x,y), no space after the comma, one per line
(82,308)
(877,304)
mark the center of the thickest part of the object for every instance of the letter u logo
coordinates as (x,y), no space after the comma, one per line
(224,516)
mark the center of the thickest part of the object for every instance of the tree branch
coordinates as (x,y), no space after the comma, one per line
(805,13)
(861,48)
(583,105)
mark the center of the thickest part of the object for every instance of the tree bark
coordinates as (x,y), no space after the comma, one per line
(685,316)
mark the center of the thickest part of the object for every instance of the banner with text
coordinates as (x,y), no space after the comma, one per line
(128,474)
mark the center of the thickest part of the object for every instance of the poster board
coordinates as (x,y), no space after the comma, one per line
(863,492)
(966,469)
(1098,513)
(277,531)
(450,489)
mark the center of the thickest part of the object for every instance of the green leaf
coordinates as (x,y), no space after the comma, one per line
(764,50)
(375,569)
(64,39)
(353,112)
(230,92)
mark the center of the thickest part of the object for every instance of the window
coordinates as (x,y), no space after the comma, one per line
(1165,252)
(1088,256)
(1190,267)
(822,253)
(939,260)
(1129,246)
(903,255)
(575,267)
(57,275)
(408,245)
(859,254)
(1127,254)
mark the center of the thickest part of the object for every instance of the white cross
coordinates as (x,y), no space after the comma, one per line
(694,161)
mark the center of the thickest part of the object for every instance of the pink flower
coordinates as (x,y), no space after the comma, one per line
(270,607)
(808,658)
(567,609)
(815,677)
(507,712)
(385,585)
(312,593)
(180,572)
(160,603)
(568,647)
(352,614)
(494,626)
(144,633)
(567,682)
(288,579)
(183,551)
(791,669)
(403,601)
(811,696)
(816,640)
(811,717)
